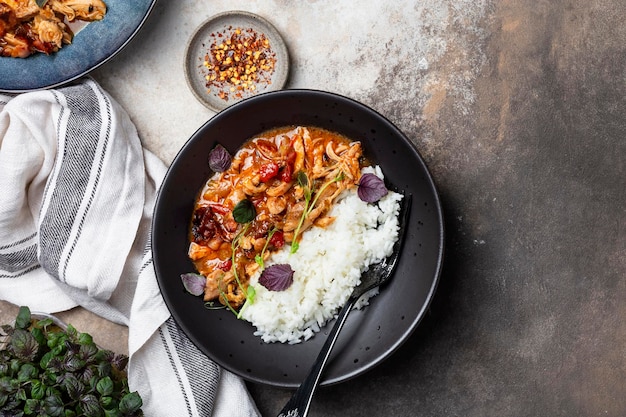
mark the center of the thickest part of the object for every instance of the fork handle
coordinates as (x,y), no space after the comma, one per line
(299,403)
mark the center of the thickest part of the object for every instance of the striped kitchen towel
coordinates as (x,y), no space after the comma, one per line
(77,191)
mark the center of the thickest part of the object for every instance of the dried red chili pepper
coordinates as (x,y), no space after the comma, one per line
(225,265)
(219,208)
(287,173)
(268,171)
(277,240)
(237,61)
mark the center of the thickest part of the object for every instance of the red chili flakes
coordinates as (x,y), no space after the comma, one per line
(237,61)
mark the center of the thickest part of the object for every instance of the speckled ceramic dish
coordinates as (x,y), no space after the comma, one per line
(370,335)
(218,95)
(92,46)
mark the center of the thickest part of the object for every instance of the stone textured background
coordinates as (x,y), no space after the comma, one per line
(519,109)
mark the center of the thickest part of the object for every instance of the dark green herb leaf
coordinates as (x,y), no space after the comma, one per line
(44,323)
(92,383)
(53,406)
(22,321)
(37,390)
(90,406)
(104,369)
(53,392)
(107,403)
(85,339)
(105,386)
(27,371)
(24,345)
(15,366)
(49,377)
(244,211)
(31,406)
(56,339)
(114,412)
(130,403)
(7,384)
(39,336)
(71,332)
(105,356)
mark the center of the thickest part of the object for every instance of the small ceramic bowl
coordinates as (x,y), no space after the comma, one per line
(265,74)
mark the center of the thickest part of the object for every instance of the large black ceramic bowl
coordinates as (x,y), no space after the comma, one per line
(369,336)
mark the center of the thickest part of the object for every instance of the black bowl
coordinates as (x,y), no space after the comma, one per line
(369,336)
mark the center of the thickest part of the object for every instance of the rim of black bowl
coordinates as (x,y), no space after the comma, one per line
(255,100)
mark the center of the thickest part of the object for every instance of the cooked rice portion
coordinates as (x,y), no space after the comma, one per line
(328,265)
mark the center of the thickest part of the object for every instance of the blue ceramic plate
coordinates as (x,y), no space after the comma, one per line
(92,46)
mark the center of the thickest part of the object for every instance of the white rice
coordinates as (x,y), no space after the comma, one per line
(327,265)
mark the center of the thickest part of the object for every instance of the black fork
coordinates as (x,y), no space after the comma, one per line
(299,403)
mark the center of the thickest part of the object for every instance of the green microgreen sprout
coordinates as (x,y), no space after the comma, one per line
(259,256)
(303,181)
(338,177)
(245,214)
(212,305)
(223,295)
(250,295)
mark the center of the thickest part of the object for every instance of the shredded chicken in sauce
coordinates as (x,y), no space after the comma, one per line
(25,28)
(292,176)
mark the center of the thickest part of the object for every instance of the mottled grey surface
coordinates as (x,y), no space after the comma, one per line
(529,316)
(519,109)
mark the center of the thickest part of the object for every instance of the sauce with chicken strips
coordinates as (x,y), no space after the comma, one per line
(26,28)
(285,181)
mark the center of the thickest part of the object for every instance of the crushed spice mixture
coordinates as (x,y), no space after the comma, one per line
(237,61)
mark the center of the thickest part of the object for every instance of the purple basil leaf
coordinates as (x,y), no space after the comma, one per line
(193,283)
(371,188)
(277,277)
(219,159)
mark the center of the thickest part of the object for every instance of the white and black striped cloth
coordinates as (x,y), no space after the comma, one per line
(76,196)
